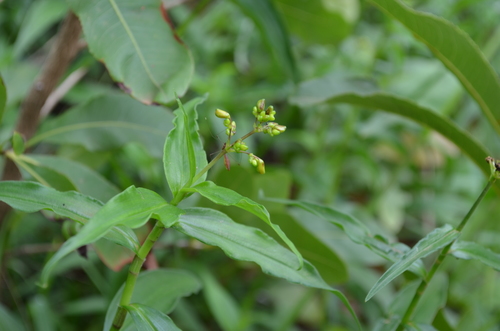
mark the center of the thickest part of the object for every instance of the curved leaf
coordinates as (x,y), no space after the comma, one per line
(469,250)
(273,31)
(108,122)
(438,238)
(392,104)
(133,208)
(245,243)
(137,46)
(152,289)
(85,180)
(456,50)
(31,197)
(184,155)
(149,319)
(226,197)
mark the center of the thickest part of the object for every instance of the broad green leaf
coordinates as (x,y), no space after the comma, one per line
(268,20)
(469,250)
(245,243)
(431,243)
(149,319)
(433,299)
(133,208)
(44,318)
(138,47)
(40,16)
(183,155)
(356,231)
(319,21)
(420,327)
(109,122)
(226,197)
(31,197)
(8,321)
(17,143)
(159,289)
(3,98)
(456,50)
(85,180)
(223,306)
(392,104)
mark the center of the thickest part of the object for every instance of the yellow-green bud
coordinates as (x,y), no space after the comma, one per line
(261,169)
(261,104)
(280,128)
(222,114)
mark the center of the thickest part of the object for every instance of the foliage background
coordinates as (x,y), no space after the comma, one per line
(400,178)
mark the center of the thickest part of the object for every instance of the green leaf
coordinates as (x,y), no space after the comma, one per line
(3,98)
(31,197)
(109,122)
(155,289)
(392,104)
(226,197)
(138,47)
(222,305)
(388,324)
(356,231)
(18,143)
(456,50)
(40,16)
(469,250)
(133,208)
(149,319)
(183,155)
(245,243)
(271,27)
(431,243)
(85,180)
(8,321)
(44,318)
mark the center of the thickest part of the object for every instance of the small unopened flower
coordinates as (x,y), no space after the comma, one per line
(222,113)
(261,104)
(261,169)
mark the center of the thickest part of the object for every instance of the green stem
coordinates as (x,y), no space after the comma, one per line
(133,273)
(439,260)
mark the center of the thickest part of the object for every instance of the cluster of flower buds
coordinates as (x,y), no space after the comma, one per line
(240,146)
(273,129)
(257,162)
(261,113)
(228,123)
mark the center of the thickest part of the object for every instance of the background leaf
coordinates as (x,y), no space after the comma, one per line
(273,31)
(108,122)
(138,47)
(133,208)
(470,250)
(184,137)
(154,289)
(149,319)
(3,98)
(431,243)
(456,50)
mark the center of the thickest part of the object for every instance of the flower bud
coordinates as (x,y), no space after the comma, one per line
(261,104)
(222,114)
(280,128)
(261,169)
(227,122)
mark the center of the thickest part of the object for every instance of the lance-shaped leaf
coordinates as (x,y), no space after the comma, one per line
(31,197)
(183,155)
(400,106)
(357,232)
(469,250)
(149,319)
(138,47)
(133,208)
(456,50)
(245,243)
(431,243)
(226,197)
(152,290)
(109,122)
